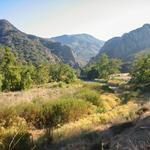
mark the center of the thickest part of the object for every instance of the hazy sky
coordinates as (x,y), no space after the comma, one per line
(103,19)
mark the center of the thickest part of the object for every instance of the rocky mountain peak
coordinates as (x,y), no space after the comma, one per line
(6,26)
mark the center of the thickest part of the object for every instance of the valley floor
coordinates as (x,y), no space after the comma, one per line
(113,116)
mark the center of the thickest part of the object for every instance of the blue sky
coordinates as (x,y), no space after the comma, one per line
(103,19)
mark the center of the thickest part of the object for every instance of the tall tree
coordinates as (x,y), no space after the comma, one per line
(103,67)
(115,65)
(10,71)
(41,75)
(141,71)
(26,76)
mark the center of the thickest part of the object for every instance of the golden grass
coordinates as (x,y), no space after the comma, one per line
(94,121)
(115,111)
(46,92)
(109,100)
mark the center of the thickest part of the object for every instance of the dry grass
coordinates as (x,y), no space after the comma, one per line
(44,93)
(95,121)
(109,100)
(115,111)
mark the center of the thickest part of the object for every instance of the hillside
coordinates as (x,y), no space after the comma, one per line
(33,48)
(84,46)
(126,46)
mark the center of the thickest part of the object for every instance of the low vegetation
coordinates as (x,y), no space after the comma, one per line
(67,111)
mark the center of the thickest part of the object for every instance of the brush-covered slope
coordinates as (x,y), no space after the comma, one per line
(32,48)
(84,46)
(128,45)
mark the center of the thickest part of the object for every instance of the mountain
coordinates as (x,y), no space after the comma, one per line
(84,46)
(33,48)
(128,45)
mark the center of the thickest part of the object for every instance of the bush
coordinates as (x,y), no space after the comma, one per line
(90,96)
(1,82)
(127,95)
(65,110)
(106,88)
(100,110)
(15,141)
(31,112)
(7,116)
(53,113)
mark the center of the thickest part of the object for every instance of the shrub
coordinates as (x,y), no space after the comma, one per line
(106,88)
(46,115)
(7,116)
(90,96)
(31,113)
(53,113)
(127,95)
(65,110)
(1,82)
(15,141)
(100,110)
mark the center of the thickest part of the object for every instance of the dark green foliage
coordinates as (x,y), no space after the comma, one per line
(107,66)
(103,68)
(141,71)
(1,82)
(10,71)
(106,88)
(67,74)
(26,77)
(62,72)
(115,65)
(15,75)
(41,75)
(128,95)
(48,121)
(92,74)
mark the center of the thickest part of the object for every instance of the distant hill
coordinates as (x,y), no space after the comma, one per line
(33,48)
(128,45)
(84,46)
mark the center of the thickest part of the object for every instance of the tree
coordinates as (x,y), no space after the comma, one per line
(1,82)
(54,71)
(66,74)
(141,71)
(62,72)
(26,77)
(115,65)
(41,75)
(10,71)
(15,75)
(92,73)
(103,67)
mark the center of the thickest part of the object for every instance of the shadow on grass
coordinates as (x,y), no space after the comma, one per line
(90,140)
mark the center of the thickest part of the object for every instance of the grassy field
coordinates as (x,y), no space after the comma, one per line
(67,116)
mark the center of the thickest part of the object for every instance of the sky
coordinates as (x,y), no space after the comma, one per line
(103,19)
